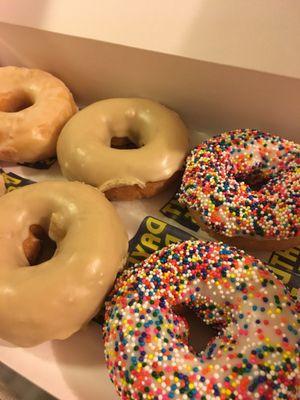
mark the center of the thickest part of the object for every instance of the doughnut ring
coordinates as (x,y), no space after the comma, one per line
(84,147)
(243,186)
(255,354)
(34,106)
(54,299)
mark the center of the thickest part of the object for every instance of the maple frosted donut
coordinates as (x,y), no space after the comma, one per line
(255,354)
(34,106)
(54,299)
(84,147)
(243,187)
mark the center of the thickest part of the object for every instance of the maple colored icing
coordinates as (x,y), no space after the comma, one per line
(56,298)
(31,134)
(84,151)
(215,184)
(255,355)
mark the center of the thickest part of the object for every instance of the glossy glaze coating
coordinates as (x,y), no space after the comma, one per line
(84,151)
(31,134)
(54,299)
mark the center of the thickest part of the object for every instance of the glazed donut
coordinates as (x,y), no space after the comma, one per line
(34,106)
(85,154)
(56,298)
(243,186)
(255,354)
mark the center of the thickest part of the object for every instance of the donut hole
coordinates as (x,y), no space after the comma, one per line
(255,180)
(125,142)
(15,101)
(38,247)
(199,332)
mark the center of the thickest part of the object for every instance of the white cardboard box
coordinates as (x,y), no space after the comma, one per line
(220,66)
(208,78)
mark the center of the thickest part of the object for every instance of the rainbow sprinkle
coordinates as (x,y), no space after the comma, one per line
(254,356)
(214,183)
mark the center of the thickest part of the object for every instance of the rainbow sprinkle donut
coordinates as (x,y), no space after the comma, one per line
(254,356)
(218,183)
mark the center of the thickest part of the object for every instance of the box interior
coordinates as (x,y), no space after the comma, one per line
(210,97)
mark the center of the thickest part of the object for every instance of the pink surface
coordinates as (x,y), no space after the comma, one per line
(70,369)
